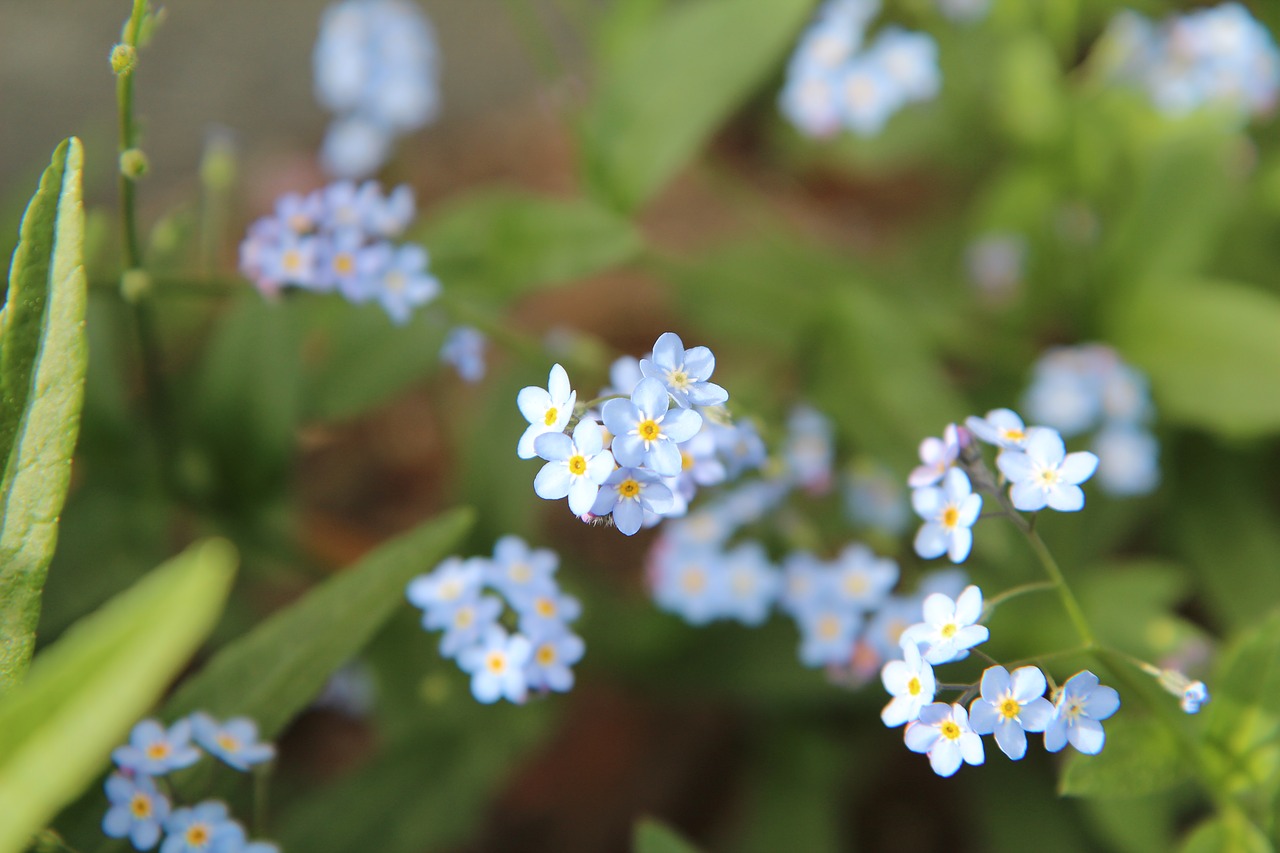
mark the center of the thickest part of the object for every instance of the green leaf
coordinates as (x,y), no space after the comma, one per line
(507,242)
(42,367)
(1211,349)
(1140,757)
(1231,834)
(668,90)
(653,836)
(1243,718)
(273,672)
(87,689)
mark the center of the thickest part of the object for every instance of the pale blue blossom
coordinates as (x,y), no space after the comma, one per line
(628,494)
(1044,474)
(863,580)
(828,631)
(552,654)
(546,409)
(809,452)
(937,455)
(645,430)
(235,741)
(576,467)
(519,572)
(751,583)
(690,584)
(1001,427)
(547,612)
(942,731)
(950,628)
(686,373)
(497,666)
(949,512)
(1011,705)
(137,810)
(1128,460)
(154,751)
(203,828)
(464,348)
(439,593)
(911,683)
(1082,705)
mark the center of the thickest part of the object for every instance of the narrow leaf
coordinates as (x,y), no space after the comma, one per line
(653,836)
(273,672)
(667,91)
(42,366)
(88,688)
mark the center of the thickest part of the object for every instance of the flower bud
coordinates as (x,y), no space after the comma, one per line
(133,163)
(124,58)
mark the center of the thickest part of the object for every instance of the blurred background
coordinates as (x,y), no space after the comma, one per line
(836,272)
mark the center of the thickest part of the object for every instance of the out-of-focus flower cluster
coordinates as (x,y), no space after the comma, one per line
(141,810)
(1088,387)
(375,68)
(832,82)
(1220,56)
(456,598)
(1009,705)
(658,436)
(338,239)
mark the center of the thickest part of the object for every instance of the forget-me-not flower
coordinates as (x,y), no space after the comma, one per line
(937,455)
(497,666)
(685,373)
(203,828)
(1044,474)
(1082,705)
(576,467)
(546,409)
(950,627)
(645,430)
(235,741)
(137,810)
(751,583)
(468,623)
(152,750)
(949,512)
(690,584)
(862,579)
(911,683)
(628,494)
(464,348)
(1011,705)
(519,572)
(442,591)
(1001,427)
(942,731)
(552,654)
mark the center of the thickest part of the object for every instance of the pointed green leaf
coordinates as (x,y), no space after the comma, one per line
(42,365)
(273,672)
(1232,834)
(87,689)
(653,836)
(665,93)
(1243,718)
(1140,757)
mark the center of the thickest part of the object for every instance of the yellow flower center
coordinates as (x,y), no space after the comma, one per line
(950,516)
(855,584)
(679,380)
(686,460)
(694,581)
(140,806)
(949,630)
(743,584)
(860,91)
(158,750)
(344,263)
(545,607)
(629,488)
(496,662)
(828,627)
(198,835)
(463,618)
(292,260)
(950,730)
(1013,434)
(913,686)
(1009,707)
(578,465)
(649,430)
(552,415)
(1048,477)
(546,655)
(520,572)
(395,281)
(228,743)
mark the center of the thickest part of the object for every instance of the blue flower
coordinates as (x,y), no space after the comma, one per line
(628,494)
(552,654)
(464,348)
(828,632)
(689,584)
(548,612)
(943,732)
(645,432)
(741,448)
(1066,388)
(1044,474)
(546,409)
(1195,695)
(949,512)
(808,584)
(497,666)
(1010,706)
(398,279)
(449,586)
(1082,705)
(684,372)
(624,376)
(137,810)
(810,449)
(152,751)
(912,685)
(751,584)
(1001,427)
(235,741)
(576,467)
(204,828)
(862,579)
(1128,460)
(469,623)
(910,61)
(521,573)
(937,455)
(950,628)
(874,498)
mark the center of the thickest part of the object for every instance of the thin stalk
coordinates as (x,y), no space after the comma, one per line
(124,107)
(1014,592)
(1068,598)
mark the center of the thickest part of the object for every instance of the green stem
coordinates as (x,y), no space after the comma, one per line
(1068,598)
(124,105)
(1014,592)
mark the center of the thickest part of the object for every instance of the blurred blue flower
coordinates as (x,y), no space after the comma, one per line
(137,810)
(751,584)
(552,654)
(234,741)
(442,591)
(949,512)
(497,666)
(464,348)
(1128,460)
(828,631)
(153,751)
(863,579)
(548,613)
(689,583)
(519,572)
(204,828)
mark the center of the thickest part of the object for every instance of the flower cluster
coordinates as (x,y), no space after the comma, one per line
(375,68)
(1088,387)
(141,811)
(502,664)
(1009,705)
(338,239)
(656,444)
(832,82)
(1032,460)
(1211,56)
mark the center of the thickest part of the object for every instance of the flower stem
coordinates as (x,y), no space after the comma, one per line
(1068,598)
(1014,592)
